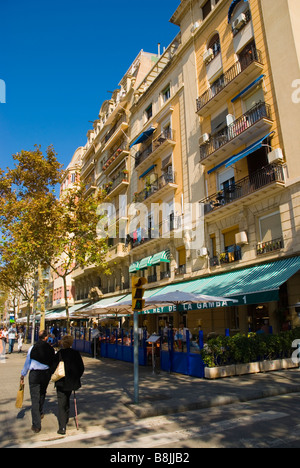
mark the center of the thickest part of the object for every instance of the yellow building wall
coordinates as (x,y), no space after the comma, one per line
(219,23)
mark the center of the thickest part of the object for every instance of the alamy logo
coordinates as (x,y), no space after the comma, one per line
(2,92)
(296,94)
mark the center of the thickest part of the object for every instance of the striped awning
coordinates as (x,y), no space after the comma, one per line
(145,263)
(163,256)
(134,267)
(259,283)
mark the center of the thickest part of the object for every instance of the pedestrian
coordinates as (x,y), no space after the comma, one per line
(74,369)
(95,335)
(40,362)
(12,336)
(3,339)
(20,340)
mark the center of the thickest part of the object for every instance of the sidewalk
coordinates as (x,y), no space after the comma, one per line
(105,400)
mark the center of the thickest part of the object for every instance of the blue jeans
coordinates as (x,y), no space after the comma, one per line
(11,345)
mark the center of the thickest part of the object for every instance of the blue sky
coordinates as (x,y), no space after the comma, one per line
(59,58)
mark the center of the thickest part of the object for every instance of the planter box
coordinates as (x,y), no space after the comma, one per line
(268,366)
(219,372)
(288,364)
(249,368)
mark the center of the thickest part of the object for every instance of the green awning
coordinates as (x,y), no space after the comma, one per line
(251,285)
(134,267)
(163,256)
(145,263)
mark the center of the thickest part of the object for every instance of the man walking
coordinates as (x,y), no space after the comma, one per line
(39,362)
(12,335)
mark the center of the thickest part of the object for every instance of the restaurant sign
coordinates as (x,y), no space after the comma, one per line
(247,299)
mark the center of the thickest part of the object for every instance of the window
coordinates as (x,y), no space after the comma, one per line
(206,9)
(215,44)
(166,94)
(270,227)
(226,179)
(148,112)
(218,122)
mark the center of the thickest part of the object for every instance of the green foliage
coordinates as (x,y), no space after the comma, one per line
(241,349)
(39,230)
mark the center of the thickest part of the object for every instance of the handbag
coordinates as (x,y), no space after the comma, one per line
(59,372)
(20,396)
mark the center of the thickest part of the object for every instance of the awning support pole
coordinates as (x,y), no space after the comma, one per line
(136,356)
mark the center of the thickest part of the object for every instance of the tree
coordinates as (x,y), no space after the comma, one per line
(51,232)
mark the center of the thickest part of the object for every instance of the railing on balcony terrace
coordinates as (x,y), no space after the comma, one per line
(115,154)
(117,181)
(163,230)
(270,246)
(217,140)
(165,179)
(115,127)
(167,134)
(261,178)
(253,55)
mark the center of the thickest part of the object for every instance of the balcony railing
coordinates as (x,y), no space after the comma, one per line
(232,254)
(113,157)
(269,246)
(253,55)
(167,134)
(240,125)
(163,230)
(117,181)
(261,178)
(165,179)
(123,119)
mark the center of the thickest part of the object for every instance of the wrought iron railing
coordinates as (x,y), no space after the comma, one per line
(253,55)
(217,140)
(241,188)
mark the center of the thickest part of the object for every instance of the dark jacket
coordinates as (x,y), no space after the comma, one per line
(43,353)
(74,369)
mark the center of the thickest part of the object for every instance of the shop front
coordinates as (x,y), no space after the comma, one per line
(262,300)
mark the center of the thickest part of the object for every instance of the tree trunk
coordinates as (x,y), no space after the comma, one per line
(66,304)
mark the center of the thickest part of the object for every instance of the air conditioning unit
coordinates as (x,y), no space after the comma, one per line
(204,138)
(202,252)
(241,238)
(276,156)
(230,118)
(239,21)
(208,56)
(195,26)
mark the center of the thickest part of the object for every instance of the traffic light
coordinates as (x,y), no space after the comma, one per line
(138,291)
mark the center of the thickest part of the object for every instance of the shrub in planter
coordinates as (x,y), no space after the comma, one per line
(243,349)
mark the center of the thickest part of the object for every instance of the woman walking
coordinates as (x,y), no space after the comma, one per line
(74,369)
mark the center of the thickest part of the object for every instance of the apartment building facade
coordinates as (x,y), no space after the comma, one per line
(249,156)
(211,122)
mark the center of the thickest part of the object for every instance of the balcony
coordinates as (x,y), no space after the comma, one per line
(165,230)
(157,189)
(164,140)
(250,126)
(115,186)
(268,179)
(270,246)
(116,132)
(181,270)
(232,254)
(116,157)
(237,77)
(118,251)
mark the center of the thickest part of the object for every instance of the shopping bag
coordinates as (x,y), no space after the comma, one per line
(20,396)
(59,372)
